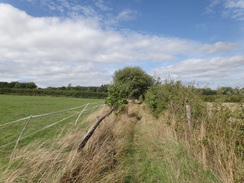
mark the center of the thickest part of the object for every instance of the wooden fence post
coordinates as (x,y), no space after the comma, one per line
(89,134)
(20,136)
(188,113)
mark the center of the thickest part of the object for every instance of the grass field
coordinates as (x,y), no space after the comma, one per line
(128,147)
(17,107)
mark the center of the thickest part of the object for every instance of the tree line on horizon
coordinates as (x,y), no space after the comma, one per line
(32,85)
(30,88)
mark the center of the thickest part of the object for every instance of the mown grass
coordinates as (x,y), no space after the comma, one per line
(16,107)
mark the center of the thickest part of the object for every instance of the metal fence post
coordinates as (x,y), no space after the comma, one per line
(19,138)
(81,113)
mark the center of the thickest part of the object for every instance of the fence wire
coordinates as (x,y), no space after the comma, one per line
(46,114)
(57,122)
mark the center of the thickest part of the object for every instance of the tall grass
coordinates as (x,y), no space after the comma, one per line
(217,139)
(132,146)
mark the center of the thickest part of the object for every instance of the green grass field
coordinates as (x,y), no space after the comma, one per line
(17,107)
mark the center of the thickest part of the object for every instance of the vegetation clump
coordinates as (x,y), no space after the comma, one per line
(169,93)
(128,83)
(217,136)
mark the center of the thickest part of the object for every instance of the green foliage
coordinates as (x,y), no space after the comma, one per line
(16,84)
(117,96)
(220,124)
(135,79)
(129,83)
(53,92)
(173,94)
(208,91)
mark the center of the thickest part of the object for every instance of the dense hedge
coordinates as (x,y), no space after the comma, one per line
(57,93)
(223,98)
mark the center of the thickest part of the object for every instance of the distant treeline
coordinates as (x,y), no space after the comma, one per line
(56,93)
(32,85)
(225,94)
(16,84)
(102,88)
(30,88)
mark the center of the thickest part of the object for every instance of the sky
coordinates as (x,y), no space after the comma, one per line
(83,42)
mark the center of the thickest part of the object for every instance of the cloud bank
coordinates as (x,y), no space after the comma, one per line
(54,51)
(227,70)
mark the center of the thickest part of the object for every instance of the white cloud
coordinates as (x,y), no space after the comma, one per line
(211,6)
(227,69)
(101,5)
(78,50)
(234,9)
(219,46)
(234,4)
(229,8)
(126,15)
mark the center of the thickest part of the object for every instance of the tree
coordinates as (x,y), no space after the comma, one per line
(31,85)
(117,96)
(129,82)
(135,79)
(225,90)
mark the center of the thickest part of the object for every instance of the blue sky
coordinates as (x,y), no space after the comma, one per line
(82,42)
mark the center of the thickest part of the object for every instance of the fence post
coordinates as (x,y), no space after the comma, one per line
(20,136)
(81,113)
(89,134)
(188,113)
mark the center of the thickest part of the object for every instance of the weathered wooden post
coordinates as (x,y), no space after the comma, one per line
(188,114)
(89,134)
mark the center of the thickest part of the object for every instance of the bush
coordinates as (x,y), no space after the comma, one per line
(174,94)
(117,96)
(135,79)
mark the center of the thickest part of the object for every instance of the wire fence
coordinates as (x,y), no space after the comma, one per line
(29,118)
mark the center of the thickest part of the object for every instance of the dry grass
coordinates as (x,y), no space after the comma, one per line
(132,146)
(60,162)
(217,140)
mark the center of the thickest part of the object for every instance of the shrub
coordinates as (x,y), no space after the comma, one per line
(174,94)
(117,96)
(135,79)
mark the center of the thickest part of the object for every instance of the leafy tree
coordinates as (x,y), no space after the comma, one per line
(117,96)
(135,79)
(129,82)
(225,90)
(31,85)
(208,91)
(3,84)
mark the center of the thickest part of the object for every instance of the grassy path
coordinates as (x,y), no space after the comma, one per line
(153,156)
